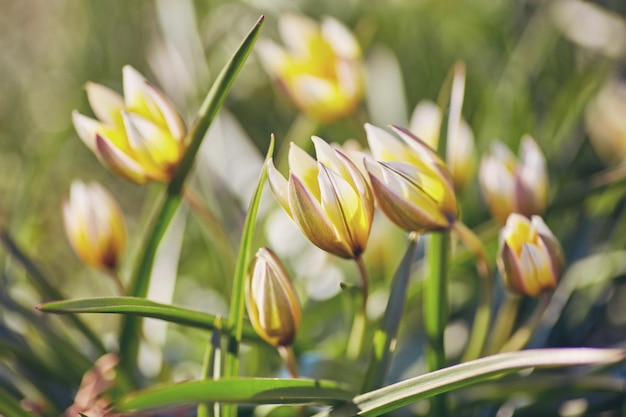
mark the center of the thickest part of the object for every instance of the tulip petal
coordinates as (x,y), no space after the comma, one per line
(87,128)
(327,155)
(279,187)
(305,168)
(410,210)
(383,145)
(173,122)
(295,31)
(536,269)
(313,221)
(119,162)
(340,39)
(105,103)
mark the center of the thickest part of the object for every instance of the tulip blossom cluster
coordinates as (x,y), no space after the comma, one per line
(514,186)
(320,68)
(139,136)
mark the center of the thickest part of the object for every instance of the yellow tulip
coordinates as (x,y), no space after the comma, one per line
(139,136)
(94,225)
(514,186)
(411,183)
(425,124)
(328,199)
(271,300)
(531,258)
(320,69)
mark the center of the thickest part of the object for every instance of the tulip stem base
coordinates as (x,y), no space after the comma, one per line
(436,311)
(286,352)
(115,277)
(482,316)
(357,334)
(523,334)
(504,322)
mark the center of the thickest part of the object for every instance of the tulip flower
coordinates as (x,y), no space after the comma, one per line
(139,136)
(425,124)
(320,68)
(271,300)
(514,186)
(410,182)
(94,225)
(531,258)
(328,199)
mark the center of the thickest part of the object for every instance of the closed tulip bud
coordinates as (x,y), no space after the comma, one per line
(328,199)
(531,258)
(320,69)
(94,225)
(271,300)
(425,124)
(139,136)
(514,186)
(410,182)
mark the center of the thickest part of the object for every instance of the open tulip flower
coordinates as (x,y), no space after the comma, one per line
(425,124)
(514,186)
(271,300)
(139,136)
(531,258)
(94,225)
(320,69)
(410,182)
(328,199)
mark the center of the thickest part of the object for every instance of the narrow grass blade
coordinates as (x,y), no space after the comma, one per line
(141,307)
(235,321)
(129,339)
(10,407)
(245,255)
(392,397)
(388,329)
(46,290)
(241,390)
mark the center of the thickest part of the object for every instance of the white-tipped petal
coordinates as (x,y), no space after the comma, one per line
(340,38)
(87,129)
(105,103)
(279,187)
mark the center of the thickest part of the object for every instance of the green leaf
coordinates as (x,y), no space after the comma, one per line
(235,321)
(140,282)
(388,330)
(142,308)
(241,390)
(392,397)
(10,407)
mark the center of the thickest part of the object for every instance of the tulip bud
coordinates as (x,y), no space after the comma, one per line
(271,300)
(328,199)
(410,182)
(139,136)
(425,124)
(531,258)
(94,225)
(321,68)
(512,186)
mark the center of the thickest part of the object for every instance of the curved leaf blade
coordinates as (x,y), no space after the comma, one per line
(241,390)
(392,397)
(142,308)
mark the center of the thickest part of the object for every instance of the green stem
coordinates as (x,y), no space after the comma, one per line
(436,311)
(504,322)
(523,334)
(286,352)
(357,334)
(211,368)
(482,317)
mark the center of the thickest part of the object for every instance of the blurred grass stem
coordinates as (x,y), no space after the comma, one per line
(504,322)
(520,338)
